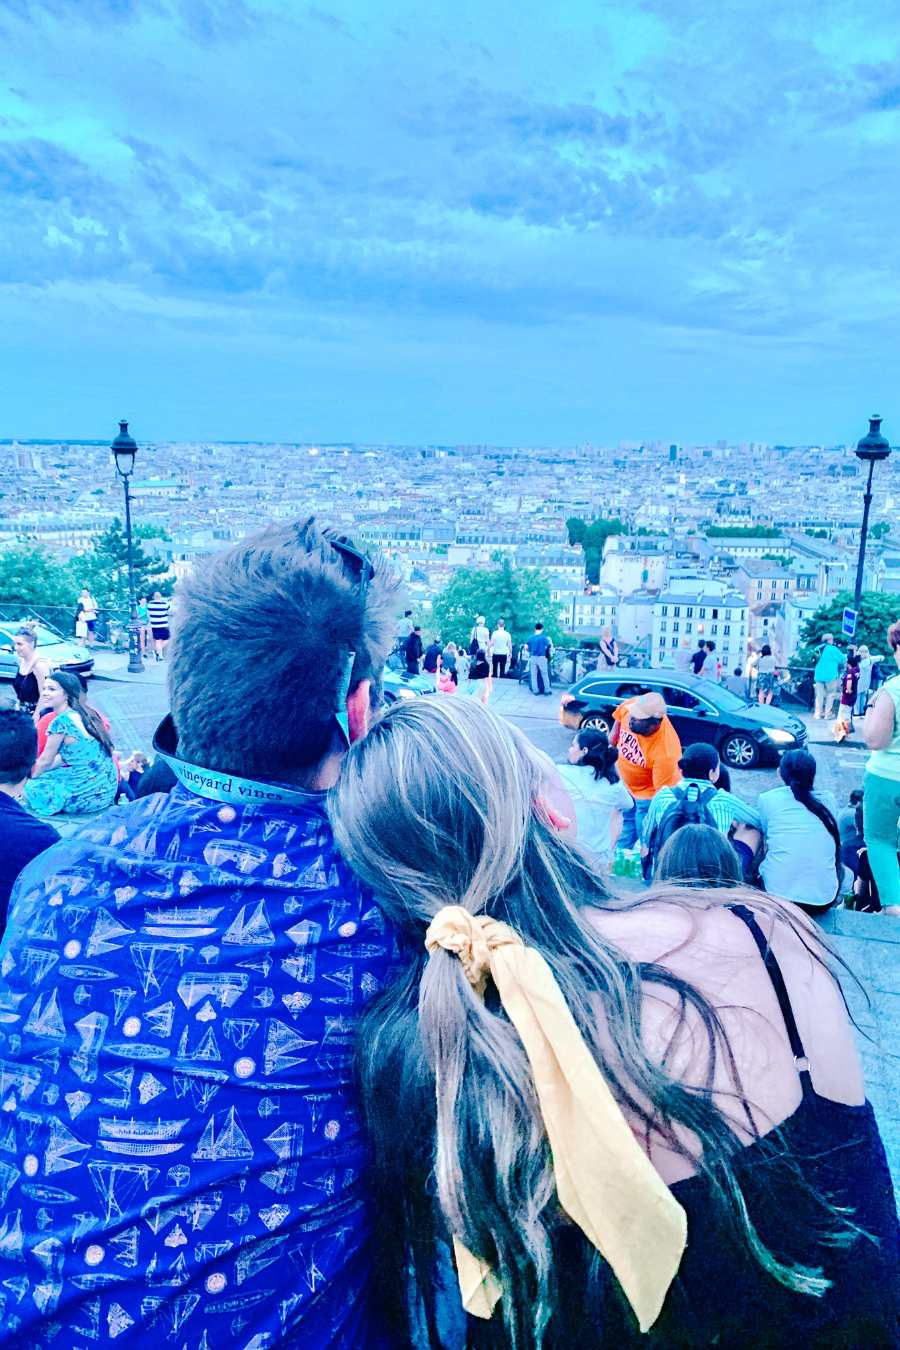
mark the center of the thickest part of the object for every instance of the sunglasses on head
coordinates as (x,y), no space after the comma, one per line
(355,561)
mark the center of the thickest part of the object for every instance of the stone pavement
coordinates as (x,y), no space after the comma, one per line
(869,943)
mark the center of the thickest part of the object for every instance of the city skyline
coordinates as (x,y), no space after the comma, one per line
(255,221)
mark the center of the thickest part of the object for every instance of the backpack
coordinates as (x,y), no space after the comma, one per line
(691,807)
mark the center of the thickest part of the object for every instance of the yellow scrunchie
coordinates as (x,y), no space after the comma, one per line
(604,1180)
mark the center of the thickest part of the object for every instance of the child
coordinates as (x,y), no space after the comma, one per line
(849,684)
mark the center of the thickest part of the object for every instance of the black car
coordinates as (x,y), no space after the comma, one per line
(745,734)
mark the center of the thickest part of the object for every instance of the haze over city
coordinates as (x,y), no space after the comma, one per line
(252,219)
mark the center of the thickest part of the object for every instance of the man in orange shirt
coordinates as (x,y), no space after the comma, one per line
(649,751)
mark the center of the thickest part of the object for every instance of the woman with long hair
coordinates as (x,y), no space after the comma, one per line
(802,861)
(598,794)
(28,681)
(698,855)
(560,1074)
(75,771)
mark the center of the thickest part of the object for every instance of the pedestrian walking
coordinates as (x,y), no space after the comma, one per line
(849,687)
(826,676)
(158,611)
(649,751)
(539,649)
(143,615)
(501,649)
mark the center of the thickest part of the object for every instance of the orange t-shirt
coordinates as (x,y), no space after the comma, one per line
(647,763)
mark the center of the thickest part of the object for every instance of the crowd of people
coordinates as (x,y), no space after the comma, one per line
(347,1039)
(488,656)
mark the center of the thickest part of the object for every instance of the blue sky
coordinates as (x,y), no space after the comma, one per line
(508,222)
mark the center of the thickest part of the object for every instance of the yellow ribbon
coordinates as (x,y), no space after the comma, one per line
(604,1180)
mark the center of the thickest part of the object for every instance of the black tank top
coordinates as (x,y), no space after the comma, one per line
(27,691)
(722,1296)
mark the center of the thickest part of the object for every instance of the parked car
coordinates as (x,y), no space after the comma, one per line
(59,651)
(745,734)
(397,684)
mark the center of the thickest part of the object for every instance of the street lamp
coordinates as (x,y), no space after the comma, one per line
(870,449)
(124,450)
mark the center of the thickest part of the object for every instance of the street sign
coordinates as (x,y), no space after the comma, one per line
(848,627)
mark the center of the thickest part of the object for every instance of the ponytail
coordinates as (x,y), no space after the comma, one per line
(798,771)
(601,756)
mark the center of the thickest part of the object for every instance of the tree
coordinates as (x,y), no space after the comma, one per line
(594,542)
(104,569)
(576,527)
(31,579)
(778,558)
(520,596)
(817,534)
(880,530)
(876,612)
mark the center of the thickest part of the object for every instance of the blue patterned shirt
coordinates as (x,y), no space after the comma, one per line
(180,1158)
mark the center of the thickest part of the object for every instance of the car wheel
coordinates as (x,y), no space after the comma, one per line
(740,751)
(597,722)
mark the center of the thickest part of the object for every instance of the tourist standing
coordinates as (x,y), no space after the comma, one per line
(222,953)
(751,666)
(159,613)
(866,664)
(480,636)
(539,649)
(32,670)
(698,660)
(598,794)
(826,676)
(431,661)
(479,682)
(649,751)
(412,651)
(449,662)
(881,787)
(501,649)
(683,662)
(24,836)
(849,687)
(765,675)
(76,771)
(143,614)
(608,656)
(87,615)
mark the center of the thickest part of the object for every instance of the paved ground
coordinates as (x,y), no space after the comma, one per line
(869,943)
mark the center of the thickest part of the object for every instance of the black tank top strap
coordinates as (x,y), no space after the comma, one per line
(775,975)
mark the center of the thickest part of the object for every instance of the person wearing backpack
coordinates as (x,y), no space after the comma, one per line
(696,800)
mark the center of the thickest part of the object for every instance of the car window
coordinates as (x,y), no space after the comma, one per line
(680,698)
(630,690)
(598,688)
(720,697)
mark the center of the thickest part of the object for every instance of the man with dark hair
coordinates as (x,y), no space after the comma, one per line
(431,662)
(184,979)
(413,651)
(539,648)
(22,835)
(671,806)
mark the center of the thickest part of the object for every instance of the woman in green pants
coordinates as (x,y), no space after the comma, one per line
(881,794)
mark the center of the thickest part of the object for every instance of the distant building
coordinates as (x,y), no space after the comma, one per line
(711,613)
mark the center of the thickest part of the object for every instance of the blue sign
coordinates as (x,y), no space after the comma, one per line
(848,627)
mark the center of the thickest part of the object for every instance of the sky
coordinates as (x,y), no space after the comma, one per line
(512,223)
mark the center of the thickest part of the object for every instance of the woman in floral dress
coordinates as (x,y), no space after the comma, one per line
(75,771)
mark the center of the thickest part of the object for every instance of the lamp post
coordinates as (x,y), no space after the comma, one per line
(870,450)
(124,449)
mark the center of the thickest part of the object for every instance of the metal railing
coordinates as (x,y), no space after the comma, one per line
(111,628)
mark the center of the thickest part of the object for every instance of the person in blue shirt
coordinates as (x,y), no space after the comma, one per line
(181,1161)
(826,676)
(23,835)
(539,649)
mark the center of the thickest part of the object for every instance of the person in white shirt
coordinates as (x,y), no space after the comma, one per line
(802,839)
(501,649)
(480,637)
(598,795)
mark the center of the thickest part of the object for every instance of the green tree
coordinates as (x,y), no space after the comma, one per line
(817,534)
(520,596)
(104,569)
(778,558)
(880,530)
(876,612)
(594,542)
(31,578)
(576,527)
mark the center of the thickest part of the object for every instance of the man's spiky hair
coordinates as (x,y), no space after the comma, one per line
(262,632)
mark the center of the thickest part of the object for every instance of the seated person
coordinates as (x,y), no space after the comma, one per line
(23,837)
(698,799)
(131,771)
(698,855)
(802,860)
(560,1074)
(76,770)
